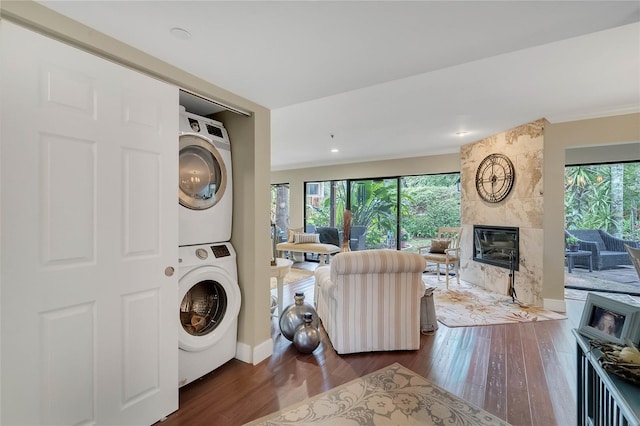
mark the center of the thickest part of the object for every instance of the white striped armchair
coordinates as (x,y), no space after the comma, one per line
(370,300)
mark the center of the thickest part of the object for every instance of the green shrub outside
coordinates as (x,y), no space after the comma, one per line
(431,207)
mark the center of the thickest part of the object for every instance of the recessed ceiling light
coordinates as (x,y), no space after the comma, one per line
(462,133)
(335,150)
(180,33)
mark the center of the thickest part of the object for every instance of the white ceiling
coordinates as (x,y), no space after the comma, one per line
(392,79)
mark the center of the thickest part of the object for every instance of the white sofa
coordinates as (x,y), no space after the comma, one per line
(370,300)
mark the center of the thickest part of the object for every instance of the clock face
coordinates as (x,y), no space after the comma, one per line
(494,178)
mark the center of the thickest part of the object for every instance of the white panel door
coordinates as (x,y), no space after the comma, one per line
(89,216)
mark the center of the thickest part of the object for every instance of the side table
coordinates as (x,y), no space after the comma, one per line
(279,271)
(570,255)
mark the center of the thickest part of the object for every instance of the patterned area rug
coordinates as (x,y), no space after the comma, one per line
(467,305)
(393,395)
(292,276)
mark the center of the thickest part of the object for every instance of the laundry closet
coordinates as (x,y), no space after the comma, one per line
(89,273)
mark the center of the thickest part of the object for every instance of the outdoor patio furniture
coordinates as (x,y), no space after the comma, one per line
(329,235)
(573,255)
(606,250)
(357,237)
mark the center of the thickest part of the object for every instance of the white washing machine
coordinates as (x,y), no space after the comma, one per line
(205,183)
(209,305)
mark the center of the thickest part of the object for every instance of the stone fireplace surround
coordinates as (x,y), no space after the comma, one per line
(522,208)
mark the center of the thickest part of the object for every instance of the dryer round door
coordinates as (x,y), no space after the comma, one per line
(203,175)
(209,307)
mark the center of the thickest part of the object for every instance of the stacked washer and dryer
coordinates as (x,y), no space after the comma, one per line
(208,276)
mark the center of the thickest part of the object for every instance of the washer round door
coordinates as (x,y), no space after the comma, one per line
(209,307)
(203,175)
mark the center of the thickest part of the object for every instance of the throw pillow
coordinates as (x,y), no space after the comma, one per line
(306,238)
(439,245)
(291,232)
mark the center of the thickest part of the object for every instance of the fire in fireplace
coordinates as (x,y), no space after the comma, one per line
(497,245)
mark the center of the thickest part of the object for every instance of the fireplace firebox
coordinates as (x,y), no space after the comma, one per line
(497,245)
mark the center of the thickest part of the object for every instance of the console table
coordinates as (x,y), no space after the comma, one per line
(279,271)
(603,398)
(570,255)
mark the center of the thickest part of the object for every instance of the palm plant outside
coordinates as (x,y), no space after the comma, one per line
(426,203)
(605,196)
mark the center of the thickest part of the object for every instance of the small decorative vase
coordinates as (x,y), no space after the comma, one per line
(307,337)
(293,316)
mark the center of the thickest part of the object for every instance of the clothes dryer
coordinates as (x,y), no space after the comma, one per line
(205,181)
(208,312)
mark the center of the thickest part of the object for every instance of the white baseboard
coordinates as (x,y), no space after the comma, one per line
(262,351)
(243,352)
(555,305)
(246,353)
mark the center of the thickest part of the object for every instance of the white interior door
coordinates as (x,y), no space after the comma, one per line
(88,167)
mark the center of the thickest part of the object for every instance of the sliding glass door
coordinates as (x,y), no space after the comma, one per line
(374,204)
(400,213)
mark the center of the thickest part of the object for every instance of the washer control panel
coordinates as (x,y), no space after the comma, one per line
(205,254)
(220,251)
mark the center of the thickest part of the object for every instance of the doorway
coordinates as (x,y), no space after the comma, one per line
(601,207)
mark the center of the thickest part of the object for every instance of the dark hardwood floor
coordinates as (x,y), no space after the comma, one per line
(522,373)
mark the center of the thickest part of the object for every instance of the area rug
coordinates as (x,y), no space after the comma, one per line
(393,395)
(467,305)
(294,275)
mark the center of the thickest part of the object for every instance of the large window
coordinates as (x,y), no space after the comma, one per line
(398,213)
(374,204)
(429,202)
(604,196)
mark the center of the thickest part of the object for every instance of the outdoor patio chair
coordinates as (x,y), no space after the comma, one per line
(634,253)
(329,235)
(606,250)
(357,237)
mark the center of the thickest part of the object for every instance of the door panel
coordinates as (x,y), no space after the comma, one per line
(139,343)
(68,196)
(88,164)
(141,197)
(68,356)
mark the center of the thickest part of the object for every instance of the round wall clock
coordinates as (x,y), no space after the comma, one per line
(494,178)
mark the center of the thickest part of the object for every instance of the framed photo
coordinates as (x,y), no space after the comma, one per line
(610,320)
